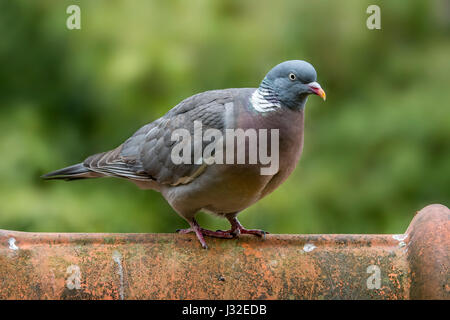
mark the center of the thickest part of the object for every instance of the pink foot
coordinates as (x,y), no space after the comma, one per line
(200,232)
(237,228)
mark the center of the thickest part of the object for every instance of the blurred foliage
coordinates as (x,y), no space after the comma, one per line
(375,152)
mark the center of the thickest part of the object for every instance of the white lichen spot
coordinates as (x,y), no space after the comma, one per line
(12,244)
(117,257)
(400,237)
(273,263)
(309,247)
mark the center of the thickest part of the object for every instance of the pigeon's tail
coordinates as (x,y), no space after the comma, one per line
(77,171)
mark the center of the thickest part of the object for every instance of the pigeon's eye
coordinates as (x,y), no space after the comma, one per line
(292,76)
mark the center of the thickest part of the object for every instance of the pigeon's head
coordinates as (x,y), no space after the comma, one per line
(291,82)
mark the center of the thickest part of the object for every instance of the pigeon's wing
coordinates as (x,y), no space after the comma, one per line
(147,154)
(113,163)
(207,108)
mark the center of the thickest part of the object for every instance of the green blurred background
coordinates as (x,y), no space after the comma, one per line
(375,152)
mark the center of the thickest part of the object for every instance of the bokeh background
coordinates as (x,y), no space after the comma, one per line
(375,152)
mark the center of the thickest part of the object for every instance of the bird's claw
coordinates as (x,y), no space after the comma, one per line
(236,230)
(184,231)
(255,232)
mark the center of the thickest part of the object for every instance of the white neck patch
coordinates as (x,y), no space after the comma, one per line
(259,102)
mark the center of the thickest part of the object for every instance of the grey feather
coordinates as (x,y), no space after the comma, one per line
(69,173)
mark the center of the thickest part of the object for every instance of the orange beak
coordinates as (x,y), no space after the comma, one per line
(317,89)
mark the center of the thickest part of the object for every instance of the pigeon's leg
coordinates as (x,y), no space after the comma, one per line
(200,232)
(194,228)
(237,228)
(217,234)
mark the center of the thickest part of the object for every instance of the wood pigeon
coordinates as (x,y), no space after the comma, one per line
(220,188)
